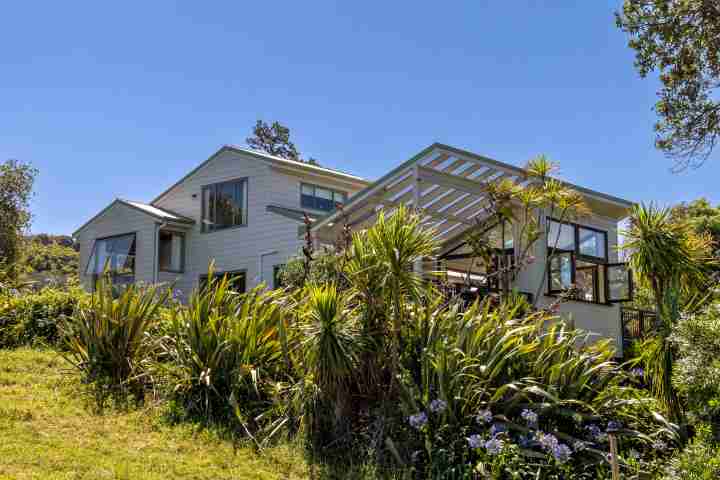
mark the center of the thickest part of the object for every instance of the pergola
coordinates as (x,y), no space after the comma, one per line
(447,186)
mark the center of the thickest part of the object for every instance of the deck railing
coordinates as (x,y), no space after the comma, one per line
(636,324)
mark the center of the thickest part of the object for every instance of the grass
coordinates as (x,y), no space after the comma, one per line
(49,430)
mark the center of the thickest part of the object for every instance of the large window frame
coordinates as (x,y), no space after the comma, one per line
(209,208)
(597,265)
(127,274)
(314,202)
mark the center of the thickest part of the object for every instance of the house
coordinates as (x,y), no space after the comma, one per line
(242,209)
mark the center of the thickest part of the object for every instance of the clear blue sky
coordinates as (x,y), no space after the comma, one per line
(121,99)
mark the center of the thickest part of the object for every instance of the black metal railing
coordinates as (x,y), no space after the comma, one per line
(636,324)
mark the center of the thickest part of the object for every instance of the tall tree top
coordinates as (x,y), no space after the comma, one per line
(273,139)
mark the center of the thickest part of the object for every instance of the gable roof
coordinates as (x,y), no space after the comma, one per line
(272,160)
(155,212)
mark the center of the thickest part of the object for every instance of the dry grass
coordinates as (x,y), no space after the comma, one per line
(49,431)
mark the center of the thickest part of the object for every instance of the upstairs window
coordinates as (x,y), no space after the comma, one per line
(236,280)
(320,198)
(580,261)
(224,205)
(116,255)
(171,251)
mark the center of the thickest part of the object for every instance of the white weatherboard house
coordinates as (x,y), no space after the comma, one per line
(242,209)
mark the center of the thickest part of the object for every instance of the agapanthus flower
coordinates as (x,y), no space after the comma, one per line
(474,441)
(659,445)
(613,425)
(494,446)
(579,446)
(484,416)
(530,417)
(595,433)
(438,406)
(561,452)
(548,441)
(637,372)
(418,420)
(524,440)
(497,429)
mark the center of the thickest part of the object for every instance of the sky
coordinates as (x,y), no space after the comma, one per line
(122,99)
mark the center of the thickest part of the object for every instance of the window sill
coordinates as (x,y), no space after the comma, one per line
(234,227)
(579,300)
(175,272)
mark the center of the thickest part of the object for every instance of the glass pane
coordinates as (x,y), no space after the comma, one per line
(176,257)
(592,243)
(561,272)
(165,251)
(618,282)
(307,189)
(561,236)
(323,193)
(115,253)
(307,201)
(208,216)
(586,281)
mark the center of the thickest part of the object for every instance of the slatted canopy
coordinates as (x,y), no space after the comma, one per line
(447,186)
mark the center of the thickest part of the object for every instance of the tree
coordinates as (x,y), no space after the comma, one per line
(702,217)
(274,140)
(681,39)
(16,183)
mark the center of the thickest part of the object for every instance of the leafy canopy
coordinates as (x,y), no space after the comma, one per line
(16,183)
(680,39)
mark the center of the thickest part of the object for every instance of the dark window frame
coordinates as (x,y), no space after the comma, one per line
(205,227)
(202,280)
(312,203)
(183,251)
(113,275)
(277,270)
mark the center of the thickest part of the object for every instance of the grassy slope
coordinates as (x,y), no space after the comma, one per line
(47,431)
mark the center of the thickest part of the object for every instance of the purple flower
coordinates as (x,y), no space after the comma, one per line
(562,453)
(548,441)
(418,420)
(438,406)
(524,440)
(474,441)
(497,429)
(530,417)
(595,433)
(494,446)
(637,372)
(613,425)
(484,416)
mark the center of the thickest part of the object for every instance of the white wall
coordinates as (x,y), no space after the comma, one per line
(117,220)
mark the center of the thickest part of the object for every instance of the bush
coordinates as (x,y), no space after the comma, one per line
(699,461)
(107,337)
(33,318)
(225,348)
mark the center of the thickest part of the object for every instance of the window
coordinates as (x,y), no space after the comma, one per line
(171,251)
(224,205)
(580,261)
(237,280)
(116,255)
(277,275)
(320,198)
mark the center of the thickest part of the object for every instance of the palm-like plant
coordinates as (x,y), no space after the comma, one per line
(107,337)
(676,263)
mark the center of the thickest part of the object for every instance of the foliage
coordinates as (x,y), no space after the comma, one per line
(676,265)
(699,461)
(51,258)
(275,140)
(697,372)
(16,183)
(500,395)
(702,217)
(107,337)
(225,346)
(680,39)
(33,318)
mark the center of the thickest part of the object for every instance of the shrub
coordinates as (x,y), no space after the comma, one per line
(33,318)
(699,461)
(225,348)
(107,337)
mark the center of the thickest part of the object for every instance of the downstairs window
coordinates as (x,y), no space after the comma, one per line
(114,255)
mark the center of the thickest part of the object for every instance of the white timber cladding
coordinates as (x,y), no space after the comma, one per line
(120,219)
(239,248)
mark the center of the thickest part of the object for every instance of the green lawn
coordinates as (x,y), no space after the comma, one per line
(48,430)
